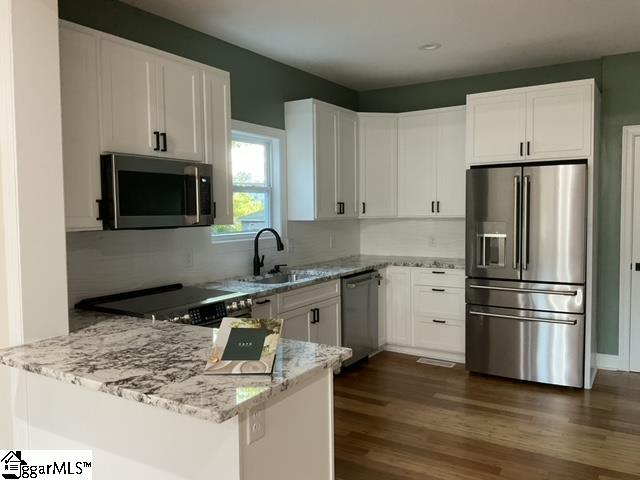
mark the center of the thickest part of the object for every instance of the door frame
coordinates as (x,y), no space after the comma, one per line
(629,135)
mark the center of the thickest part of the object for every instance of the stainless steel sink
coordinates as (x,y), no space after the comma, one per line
(278,278)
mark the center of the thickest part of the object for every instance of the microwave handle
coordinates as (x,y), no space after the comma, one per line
(197,180)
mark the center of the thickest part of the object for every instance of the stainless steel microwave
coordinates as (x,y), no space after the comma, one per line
(150,192)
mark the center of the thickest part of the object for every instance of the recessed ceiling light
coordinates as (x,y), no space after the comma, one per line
(429,46)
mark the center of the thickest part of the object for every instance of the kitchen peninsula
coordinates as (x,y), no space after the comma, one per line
(196,426)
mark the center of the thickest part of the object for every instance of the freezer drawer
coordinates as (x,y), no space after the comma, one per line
(525,295)
(535,346)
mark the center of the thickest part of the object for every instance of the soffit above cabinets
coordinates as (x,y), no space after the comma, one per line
(366,44)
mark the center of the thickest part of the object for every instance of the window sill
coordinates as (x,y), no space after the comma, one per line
(237,238)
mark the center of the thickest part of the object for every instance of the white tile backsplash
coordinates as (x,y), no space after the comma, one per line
(106,262)
(414,237)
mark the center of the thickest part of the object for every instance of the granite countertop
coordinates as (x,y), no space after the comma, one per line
(161,364)
(331,270)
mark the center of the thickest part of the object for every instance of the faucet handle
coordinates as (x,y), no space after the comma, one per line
(262,261)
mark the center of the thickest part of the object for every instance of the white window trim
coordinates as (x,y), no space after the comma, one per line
(277,139)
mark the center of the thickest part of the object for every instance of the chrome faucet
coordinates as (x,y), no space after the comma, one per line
(257,261)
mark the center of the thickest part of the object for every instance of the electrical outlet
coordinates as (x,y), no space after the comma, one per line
(332,240)
(256,426)
(188,259)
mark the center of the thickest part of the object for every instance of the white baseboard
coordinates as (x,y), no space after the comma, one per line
(608,362)
(425,352)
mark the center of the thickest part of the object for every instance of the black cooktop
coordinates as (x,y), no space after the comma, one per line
(156,301)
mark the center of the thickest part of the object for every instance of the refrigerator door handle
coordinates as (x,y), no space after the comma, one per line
(567,293)
(525,222)
(525,319)
(516,223)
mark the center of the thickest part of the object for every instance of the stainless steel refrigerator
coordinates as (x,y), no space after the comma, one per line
(526,269)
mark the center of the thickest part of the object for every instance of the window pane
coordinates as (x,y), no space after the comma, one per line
(250,213)
(249,162)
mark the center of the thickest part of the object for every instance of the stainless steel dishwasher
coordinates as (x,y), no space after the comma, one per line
(360,314)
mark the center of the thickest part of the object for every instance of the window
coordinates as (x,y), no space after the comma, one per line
(252,173)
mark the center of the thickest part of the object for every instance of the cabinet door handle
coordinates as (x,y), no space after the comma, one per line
(439,321)
(438,206)
(262,302)
(433,205)
(528,148)
(164,141)
(364,208)
(315,315)
(521,149)
(438,290)
(437,272)
(157,135)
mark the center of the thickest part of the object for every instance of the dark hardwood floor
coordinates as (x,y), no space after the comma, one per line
(396,420)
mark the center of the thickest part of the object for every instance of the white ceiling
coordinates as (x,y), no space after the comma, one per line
(366,44)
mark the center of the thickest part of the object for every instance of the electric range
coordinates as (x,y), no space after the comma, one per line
(174,303)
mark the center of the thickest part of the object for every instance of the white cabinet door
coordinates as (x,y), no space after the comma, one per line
(495,128)
(80,128)
(326,326)
(180,112)
(378,165)
(347,177)
(264,307)
(296,324)
(559,122)
(398,292)
(417,153)
(450,163)
(217,126)
(326,159)
(129,99)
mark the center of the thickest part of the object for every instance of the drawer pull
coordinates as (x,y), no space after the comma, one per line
(438,272)
(439,321)
(262,302)
(438,290)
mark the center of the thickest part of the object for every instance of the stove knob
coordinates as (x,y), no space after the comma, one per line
(233,307)
(241,305)
(249,302)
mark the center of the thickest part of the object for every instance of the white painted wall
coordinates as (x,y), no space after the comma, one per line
(417,237)
(106,262)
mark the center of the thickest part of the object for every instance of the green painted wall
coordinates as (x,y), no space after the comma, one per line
(617,79)
(259,85)
(446,93)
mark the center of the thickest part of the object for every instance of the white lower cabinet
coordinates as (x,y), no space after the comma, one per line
(398,305)
(310,314)
(425,312)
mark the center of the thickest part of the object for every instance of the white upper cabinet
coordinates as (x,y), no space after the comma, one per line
(217,128)
(378,165)
(80,129)
(326,153)
(547,122)
(451,162)
(129,99)
(119,96)
(431,163)
(417,159)
(495,127)
(348,157)
(559,122)
(180,108)
(151,105)
(321,157)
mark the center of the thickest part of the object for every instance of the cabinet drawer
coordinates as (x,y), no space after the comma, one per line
(439,277)
(438,333)
(305,296)
(264,307)
(444,301)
